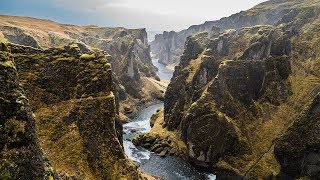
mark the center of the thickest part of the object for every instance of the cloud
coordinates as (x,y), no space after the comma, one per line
(151,14)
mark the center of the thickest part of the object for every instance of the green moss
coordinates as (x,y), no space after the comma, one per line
(3,56)
(15,127)
(74,46)
(5,166)
(65,59)
(96,78)
(87,57)
(193,105)
(8,64)
(3,40)
(108,65)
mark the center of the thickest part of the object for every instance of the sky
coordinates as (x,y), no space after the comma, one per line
(155,15)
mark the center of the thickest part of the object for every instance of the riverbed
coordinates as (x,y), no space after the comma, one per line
(168,168)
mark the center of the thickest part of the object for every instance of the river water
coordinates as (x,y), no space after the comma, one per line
(168,168)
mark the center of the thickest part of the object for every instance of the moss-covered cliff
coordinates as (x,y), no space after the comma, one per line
(131,61)
(236,92)
(71,95)
(21,156)
(298,149)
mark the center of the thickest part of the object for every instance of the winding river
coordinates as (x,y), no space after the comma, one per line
(168,168)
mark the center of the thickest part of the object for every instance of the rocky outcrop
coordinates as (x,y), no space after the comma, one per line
(131,61)
(21,156)
(71,95)
(234,93)
(298,149)
(203,64)
(217,97)
(169,46)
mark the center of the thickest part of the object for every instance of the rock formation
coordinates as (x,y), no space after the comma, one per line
(71,95)
(21,156)
(298,149)
(131,61)
(236,92)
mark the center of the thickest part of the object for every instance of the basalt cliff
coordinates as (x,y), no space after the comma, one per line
(246,100)
(132,68)
(59,116)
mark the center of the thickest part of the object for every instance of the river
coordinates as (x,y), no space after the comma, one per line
(168,168)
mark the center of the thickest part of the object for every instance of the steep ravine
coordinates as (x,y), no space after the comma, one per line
(132,67)
(237,98)
(168,168)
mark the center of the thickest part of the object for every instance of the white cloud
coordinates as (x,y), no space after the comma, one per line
(156,14)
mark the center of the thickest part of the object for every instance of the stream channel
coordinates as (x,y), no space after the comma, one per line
(168,168)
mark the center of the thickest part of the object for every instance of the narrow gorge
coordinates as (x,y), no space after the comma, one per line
(235,98)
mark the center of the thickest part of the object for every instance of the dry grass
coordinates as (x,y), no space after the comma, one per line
(67,153)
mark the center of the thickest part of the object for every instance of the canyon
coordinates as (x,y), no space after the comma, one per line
(132,67)
(238,96)
(89,102)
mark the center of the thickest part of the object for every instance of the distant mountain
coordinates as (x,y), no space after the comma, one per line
(152,34)
(169,46)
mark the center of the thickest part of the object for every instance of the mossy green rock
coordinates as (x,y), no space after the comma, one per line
(128,47)
(21,156)
(235,92)
(298,149)
(75,111)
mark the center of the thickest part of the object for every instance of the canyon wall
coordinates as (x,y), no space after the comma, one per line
(72,96)
(130,53)
(20,153)
(236,97)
